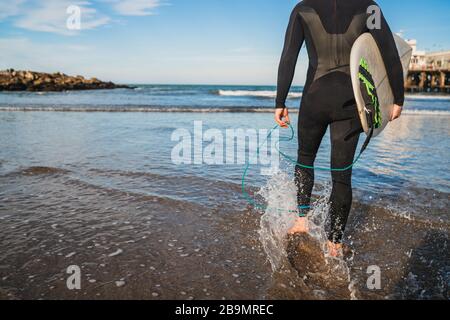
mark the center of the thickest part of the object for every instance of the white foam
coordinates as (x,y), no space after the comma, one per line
(119,251)
(422,112)
(280,196)
(427,97)
(257,93)
(71,254)
(144,109)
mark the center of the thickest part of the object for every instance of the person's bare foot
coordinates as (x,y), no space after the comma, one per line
(300,226)
(335,250)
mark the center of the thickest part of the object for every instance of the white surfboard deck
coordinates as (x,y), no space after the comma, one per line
(366,47)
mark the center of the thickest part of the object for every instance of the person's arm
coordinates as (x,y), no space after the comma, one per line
(386,43)
(292,45)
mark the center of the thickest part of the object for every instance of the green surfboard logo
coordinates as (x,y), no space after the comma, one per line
(370,93)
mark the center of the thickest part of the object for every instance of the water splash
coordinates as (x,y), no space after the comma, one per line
(280,194)
(317,217)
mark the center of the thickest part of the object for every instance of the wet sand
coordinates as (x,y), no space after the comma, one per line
(135,246)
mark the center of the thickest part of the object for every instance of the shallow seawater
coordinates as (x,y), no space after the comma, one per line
(100,190)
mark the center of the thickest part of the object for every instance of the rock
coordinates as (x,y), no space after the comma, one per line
(11,80)
(29,76)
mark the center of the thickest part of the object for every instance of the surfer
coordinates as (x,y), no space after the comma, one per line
(329,28)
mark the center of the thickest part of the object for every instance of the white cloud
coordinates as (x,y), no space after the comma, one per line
(51,16)
(136,7)
(10,8)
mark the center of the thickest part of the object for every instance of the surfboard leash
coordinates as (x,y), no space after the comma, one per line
(262,207)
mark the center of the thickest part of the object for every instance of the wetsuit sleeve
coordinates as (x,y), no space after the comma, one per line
(386,43)
(293,42)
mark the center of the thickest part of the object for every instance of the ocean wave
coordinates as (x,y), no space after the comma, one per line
(256,93)
(136,109)
(427,97)
(293,95)
(37,171)
(422,112)
(216,109)
(187,179)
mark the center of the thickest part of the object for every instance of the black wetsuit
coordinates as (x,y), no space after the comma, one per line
(330,28)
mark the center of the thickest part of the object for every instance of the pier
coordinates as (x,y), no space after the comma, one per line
(428,81)
(428,71)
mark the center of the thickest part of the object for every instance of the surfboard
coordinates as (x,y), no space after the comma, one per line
(366,61)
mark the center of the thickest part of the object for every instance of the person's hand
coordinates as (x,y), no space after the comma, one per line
(282,117)
(396,112)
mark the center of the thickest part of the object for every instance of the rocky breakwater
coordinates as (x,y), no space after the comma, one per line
(12,80)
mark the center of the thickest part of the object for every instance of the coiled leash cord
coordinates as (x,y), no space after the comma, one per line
(289,159)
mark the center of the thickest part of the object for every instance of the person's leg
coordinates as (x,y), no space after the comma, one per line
(310,134)
(343,149)
(311,129)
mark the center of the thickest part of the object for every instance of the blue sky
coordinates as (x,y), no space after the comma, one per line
(179,41)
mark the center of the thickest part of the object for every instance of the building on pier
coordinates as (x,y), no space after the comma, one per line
(428,71)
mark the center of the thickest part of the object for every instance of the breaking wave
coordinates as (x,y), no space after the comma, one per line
(215,109)
(257,93)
